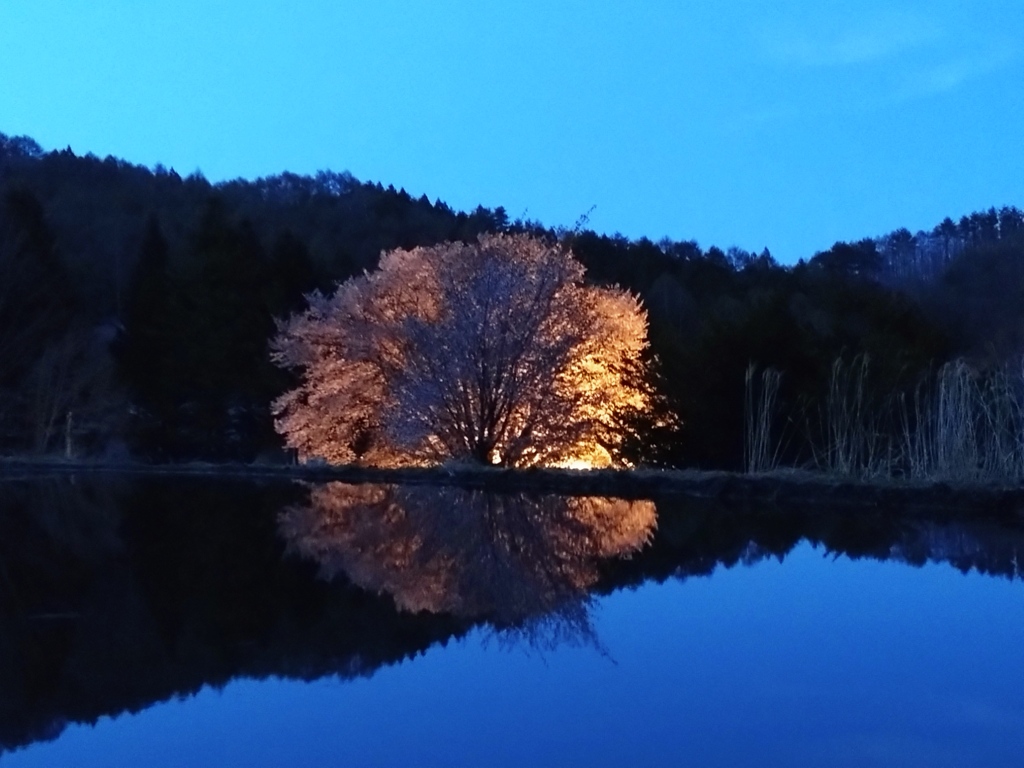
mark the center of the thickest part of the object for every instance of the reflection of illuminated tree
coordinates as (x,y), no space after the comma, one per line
(505,558)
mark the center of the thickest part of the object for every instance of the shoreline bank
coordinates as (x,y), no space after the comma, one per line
(779,487)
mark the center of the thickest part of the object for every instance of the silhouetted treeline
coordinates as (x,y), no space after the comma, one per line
(180,280)
(136,304)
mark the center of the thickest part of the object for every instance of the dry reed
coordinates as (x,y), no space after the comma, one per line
(760,455)
(959,424)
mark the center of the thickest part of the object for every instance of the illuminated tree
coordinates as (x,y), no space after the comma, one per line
(493,351)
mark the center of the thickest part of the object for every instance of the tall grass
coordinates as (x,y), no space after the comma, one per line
(854,424)
(968,425)
(958,424)
(760,451)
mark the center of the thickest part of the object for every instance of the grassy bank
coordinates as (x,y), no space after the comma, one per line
(779,487)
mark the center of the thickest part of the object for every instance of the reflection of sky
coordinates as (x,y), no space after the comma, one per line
(811,662)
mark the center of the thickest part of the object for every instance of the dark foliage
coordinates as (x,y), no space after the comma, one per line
(186,277)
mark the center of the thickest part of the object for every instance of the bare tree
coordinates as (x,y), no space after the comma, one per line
(494,351)
(72,403)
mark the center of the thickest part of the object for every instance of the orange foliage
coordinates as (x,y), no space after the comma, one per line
(494,351)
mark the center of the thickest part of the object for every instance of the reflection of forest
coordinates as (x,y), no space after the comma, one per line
(117,595)
(506,558)
(695,537)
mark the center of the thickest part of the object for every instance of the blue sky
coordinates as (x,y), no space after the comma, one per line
(788,124)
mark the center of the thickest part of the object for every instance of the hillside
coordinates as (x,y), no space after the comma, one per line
(135,305)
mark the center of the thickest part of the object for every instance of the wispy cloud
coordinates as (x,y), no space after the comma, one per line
(866,42)
(952,73)
(873,63)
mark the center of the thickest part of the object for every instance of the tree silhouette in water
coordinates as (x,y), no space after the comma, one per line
(523,563)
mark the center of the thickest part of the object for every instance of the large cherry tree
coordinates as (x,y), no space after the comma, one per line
(494,351)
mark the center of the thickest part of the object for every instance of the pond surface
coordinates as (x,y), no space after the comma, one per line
(201,623)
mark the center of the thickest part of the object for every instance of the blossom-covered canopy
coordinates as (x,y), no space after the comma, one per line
(494,351)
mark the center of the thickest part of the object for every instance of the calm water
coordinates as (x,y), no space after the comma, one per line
(212,624)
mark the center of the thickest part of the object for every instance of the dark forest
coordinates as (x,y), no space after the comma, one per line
(136,307)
